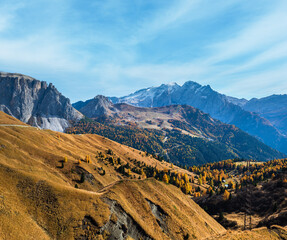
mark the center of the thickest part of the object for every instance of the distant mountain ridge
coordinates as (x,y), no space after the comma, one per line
(35,102)
(226,109)
(183,133)
(273,108)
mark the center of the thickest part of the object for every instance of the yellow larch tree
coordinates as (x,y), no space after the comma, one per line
(165,178)
(226,195)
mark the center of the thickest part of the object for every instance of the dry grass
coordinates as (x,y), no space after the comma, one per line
(7,119)
(40,200)
(255,234)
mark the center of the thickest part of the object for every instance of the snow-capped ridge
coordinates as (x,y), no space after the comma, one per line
(221,107)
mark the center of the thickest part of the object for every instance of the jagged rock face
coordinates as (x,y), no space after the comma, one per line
(209,101)
(35,102)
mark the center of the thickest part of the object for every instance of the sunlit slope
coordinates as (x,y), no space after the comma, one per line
(6,119)
(39,199)
(275,233)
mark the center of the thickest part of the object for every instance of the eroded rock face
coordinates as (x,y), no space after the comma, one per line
(160,215)
(121,224)
(35,102)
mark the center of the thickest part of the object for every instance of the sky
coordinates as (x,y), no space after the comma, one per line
(115,47)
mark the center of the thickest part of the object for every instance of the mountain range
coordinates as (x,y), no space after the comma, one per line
(181,133)
(263,118)
(84,186)
(272,108)
(165,117)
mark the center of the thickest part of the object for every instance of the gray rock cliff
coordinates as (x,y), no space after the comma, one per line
(35,102)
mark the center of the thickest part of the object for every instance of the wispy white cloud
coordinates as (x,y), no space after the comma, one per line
(146,75)
(175,13)
(264,59)
(41,50)
(115,50)
(272,81)
(4,21)
(7,15)
(265,31)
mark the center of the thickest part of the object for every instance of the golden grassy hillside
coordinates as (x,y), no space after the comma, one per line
(38,198)
(7,119)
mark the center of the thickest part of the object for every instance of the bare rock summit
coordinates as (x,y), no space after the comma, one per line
(35,102)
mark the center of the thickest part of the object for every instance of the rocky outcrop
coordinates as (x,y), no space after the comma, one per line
(35,102)
(160,215)
(121,225)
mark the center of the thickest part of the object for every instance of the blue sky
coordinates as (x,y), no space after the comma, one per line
(115,47)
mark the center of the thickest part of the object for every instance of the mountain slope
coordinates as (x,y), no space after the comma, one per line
(35,102)
(183,134)
(273,108)
(39,200)
(209,101)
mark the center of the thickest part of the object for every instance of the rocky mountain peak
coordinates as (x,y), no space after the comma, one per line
(191,84)
(96,107)
(35,102)
(169,86)
(101,98)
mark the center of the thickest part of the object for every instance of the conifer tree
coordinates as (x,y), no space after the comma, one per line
(186,179)
(165,178)
(177,182)
(154,173)
(211,183)
(88,158)
(226,195)
(192,179)
(199,181)
(186,188)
